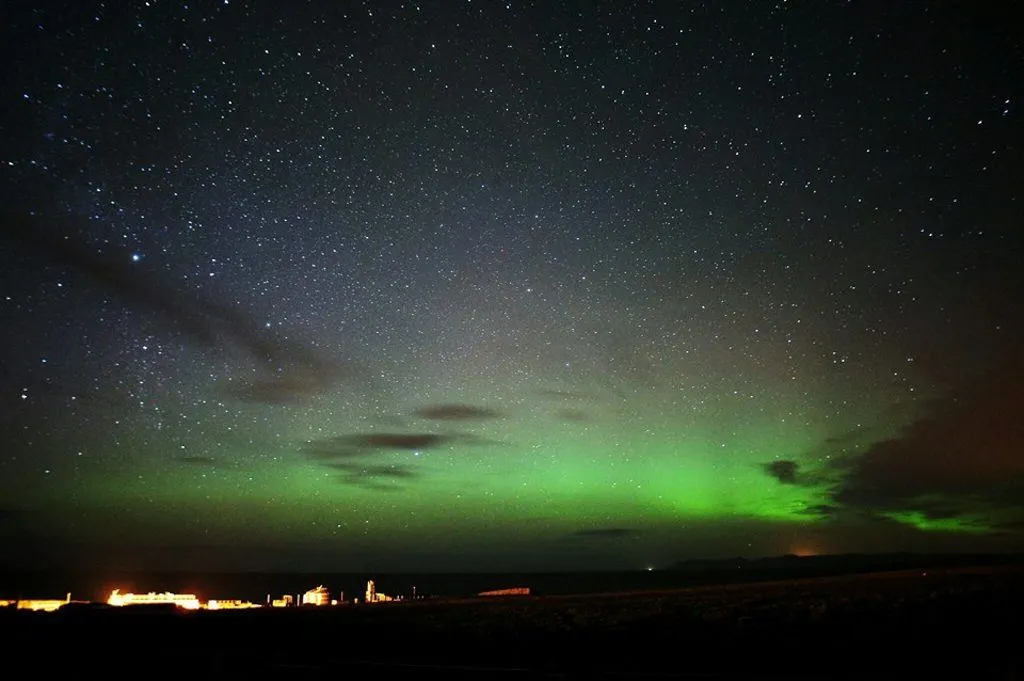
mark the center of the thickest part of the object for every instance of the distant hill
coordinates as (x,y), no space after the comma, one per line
(841,563)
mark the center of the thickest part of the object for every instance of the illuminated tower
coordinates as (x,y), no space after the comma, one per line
(371,592)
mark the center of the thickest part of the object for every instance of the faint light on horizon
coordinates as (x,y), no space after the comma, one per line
(804,551)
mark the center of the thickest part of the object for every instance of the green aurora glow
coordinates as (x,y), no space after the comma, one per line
(564,288)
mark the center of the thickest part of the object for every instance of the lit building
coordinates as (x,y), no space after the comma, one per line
(185,601)
(38,604)
(317,596)
(213,604)
(285,601)
(373,597)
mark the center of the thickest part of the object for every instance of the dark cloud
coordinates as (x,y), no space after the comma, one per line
(346,453)
(291,371)
(784,471)
(409,441)
(376,471)
(370,477)
(963,457)
(605,533)
(571,415)
(457,412)
(197,460)
(821,510)
(367,444)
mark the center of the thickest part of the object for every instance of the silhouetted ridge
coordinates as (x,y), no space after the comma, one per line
(793,565)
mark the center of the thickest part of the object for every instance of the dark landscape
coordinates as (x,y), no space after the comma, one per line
(256,586)
(921,623)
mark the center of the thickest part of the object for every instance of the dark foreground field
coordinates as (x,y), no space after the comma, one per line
(954,623)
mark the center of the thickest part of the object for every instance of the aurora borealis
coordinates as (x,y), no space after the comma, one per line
(508,285)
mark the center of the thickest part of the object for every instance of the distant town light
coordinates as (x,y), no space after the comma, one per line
(184,601)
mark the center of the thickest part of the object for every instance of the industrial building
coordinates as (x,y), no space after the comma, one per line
(318,596)
(185,601)
(372,596)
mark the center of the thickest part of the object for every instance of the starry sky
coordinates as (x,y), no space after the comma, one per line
(473,285)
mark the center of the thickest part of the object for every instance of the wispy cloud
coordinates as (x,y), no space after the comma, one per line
(574,415)
(361,457)
(373,476)
(457,412)
(289,370)
(368,444)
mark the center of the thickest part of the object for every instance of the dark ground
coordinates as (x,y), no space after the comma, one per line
(955,623)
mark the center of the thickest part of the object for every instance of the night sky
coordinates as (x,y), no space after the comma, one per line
(474,285)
